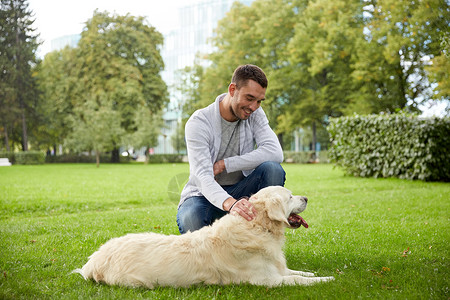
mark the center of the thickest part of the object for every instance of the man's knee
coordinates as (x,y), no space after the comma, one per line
(274,173)
(188,220)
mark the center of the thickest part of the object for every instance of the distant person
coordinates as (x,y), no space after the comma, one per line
(232,152)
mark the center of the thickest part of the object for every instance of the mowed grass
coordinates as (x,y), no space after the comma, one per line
(380,238)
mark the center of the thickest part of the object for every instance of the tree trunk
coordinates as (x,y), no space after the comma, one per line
(115,155)
(24,130)
(280,139)
(97,158)
(8,149)
(314,142)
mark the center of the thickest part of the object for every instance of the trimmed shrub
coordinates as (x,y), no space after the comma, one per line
(9,156)
(305,157)
(29,158)
(397,145)
(165,158)
(81,158)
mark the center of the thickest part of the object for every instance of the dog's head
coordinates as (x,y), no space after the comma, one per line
(282,206)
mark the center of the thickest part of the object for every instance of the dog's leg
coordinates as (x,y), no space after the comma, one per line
(300,280)
(301,273)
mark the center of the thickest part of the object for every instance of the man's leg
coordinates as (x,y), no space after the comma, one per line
(195,213)
(266,174)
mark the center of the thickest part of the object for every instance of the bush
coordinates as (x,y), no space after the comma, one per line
(81,158)
(397,145)
(29,158)
(165,158)
(9,156)
(305,157)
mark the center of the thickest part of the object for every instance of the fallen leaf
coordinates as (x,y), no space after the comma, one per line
(405,253)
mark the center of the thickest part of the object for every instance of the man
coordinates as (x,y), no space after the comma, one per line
(232,151)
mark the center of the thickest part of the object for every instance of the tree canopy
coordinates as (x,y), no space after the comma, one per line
(107,91)
(333,58)
(18,90)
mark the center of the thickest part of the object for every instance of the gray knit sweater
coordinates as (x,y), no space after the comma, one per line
(258,144)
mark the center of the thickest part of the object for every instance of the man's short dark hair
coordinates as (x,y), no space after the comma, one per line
(244,73)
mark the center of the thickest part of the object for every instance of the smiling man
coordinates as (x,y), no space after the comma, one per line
(232,152)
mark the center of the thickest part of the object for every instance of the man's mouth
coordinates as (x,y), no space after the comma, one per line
(296,221)
(247,112)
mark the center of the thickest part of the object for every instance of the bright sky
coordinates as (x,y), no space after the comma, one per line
(56,18)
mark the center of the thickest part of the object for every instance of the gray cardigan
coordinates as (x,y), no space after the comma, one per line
(258,144)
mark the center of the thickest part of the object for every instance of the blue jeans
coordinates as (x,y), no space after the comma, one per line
(196,212)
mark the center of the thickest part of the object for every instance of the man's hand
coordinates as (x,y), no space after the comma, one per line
(219,167)
(242,207)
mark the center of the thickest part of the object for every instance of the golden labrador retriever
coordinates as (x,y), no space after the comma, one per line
(232,250)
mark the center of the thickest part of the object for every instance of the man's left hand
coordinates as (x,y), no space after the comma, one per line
(219,167)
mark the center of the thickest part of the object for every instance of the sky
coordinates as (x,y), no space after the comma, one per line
(56,18)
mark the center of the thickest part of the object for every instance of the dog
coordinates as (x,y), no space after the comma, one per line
(230,251)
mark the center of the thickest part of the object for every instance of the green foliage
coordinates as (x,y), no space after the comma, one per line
(333,58)
(305,157)
(397,145)
(18,90)
(79,158)
(107,91)
(29,158)
(165,158)
(9,155)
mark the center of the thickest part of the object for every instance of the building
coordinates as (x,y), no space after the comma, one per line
(66,40)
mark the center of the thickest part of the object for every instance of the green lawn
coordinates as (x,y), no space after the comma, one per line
(380,238)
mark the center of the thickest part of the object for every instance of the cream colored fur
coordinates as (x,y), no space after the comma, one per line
(232,250)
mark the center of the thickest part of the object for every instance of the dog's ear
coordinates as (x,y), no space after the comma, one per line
(276,210)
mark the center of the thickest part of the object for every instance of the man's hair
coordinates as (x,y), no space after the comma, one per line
(244,73)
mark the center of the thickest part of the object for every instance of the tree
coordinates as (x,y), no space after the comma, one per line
(18,91)
(400,38)
(320,56)
(57,81)
(438,70)
(118,78)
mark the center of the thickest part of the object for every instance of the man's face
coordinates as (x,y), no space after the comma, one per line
(247,99)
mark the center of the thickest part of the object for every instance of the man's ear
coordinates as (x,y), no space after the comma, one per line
(276,210)
(231,89)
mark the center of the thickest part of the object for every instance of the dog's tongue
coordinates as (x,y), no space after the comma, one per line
(296,221)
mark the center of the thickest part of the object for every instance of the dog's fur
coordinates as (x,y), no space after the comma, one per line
(232,250)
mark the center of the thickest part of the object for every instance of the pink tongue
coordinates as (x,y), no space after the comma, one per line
(297,221)
(303,222)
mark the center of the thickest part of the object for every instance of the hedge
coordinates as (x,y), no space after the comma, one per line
(29,158)
(8,155)
(106,158)
(81,158)
(165,158)
(305,157)
(397,145)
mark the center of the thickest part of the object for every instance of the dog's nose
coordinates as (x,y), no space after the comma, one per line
(306,199)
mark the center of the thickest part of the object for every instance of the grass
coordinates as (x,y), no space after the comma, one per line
(380,238)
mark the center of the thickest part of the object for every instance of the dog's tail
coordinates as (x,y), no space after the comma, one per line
(79,271)
(91,270)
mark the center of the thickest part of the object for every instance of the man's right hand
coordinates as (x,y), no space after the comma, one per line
(242,207)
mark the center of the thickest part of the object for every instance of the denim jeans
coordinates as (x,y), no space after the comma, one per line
(196,212)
